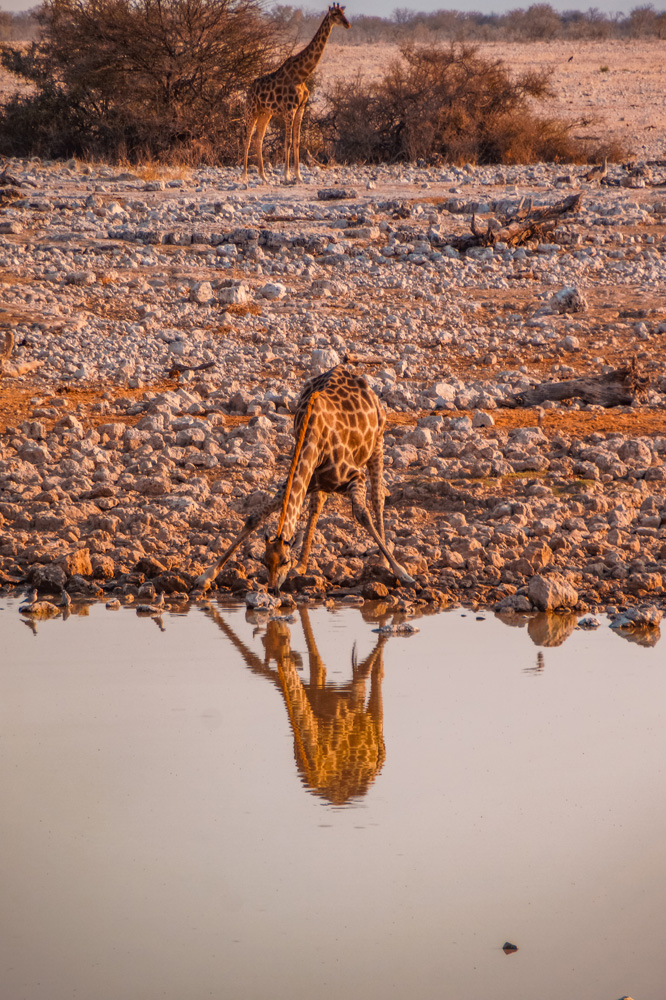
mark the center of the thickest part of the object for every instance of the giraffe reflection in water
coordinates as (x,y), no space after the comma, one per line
(338,731)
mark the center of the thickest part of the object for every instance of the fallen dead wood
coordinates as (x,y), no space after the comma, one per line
(177,368)
(11,369)
(525,224)
(617,388)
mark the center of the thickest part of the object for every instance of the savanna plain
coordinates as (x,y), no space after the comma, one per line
(410,791)
(165,319)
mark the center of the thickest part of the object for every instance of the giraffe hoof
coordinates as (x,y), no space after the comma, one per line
(404,576)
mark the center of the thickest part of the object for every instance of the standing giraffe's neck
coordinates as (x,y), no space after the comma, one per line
(304,62)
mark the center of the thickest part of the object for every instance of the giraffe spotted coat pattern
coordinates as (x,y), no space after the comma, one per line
(339,428)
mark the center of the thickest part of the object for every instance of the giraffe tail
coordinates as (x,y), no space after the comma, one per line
(294,462)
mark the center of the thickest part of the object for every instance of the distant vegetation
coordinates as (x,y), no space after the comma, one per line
(539,22)
(21,27)
(165,80)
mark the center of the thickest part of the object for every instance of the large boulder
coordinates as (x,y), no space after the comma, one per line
(48,577)
(550,592)
(77,563)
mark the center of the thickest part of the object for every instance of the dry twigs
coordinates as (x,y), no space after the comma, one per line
(523,225)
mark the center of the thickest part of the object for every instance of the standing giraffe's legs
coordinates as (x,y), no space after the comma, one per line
(375,468)
(360,511)
(316,503)
(254,521)
(296,142)
(289,118)
(249,130)
(262,124)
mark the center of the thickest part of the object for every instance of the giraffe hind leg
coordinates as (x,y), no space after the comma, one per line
(362,515)
(317,502)
(296,141)
(262,125)
(249,132)
(288,140)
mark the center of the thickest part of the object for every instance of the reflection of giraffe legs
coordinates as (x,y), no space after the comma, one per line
(360,511)
(254,521)
(316,664)
(338,739)
(316,503)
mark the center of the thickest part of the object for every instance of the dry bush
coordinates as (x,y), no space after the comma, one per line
(445,104)
(137,78)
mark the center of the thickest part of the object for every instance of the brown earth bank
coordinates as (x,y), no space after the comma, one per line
(157,327)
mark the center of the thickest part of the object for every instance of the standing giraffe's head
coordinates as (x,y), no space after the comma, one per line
(338,15)
(277,559)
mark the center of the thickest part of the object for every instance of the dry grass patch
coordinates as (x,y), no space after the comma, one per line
(238,309)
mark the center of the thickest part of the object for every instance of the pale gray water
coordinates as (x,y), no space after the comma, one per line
(168,827)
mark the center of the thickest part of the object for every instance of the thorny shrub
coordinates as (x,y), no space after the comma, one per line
(445,104)
(136,78)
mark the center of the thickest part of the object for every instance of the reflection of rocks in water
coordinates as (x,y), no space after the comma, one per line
(639,625)
(645,636)
(547,629)
(512,619)
(338,734)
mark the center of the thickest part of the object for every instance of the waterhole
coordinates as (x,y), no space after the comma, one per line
(213,805)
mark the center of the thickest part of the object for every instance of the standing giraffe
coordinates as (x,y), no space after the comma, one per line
(339,429)
(284,91)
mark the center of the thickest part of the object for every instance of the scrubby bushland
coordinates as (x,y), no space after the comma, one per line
(19,26)
(444,105)
(539,22)
(136,78)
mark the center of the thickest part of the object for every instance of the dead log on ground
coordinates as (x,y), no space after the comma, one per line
(178,367)
(617,388)
(526,224)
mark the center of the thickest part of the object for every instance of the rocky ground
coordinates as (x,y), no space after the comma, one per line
(164,325)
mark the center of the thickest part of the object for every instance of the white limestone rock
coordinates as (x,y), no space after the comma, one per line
(273,290)
(568,300)
(234,294)
(201,292)
(323,359)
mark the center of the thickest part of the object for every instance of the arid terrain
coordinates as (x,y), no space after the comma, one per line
(164,322)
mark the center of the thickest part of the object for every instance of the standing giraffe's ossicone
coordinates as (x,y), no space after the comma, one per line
(339,429)
(284,92)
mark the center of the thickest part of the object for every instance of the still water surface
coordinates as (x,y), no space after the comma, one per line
(226,810)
